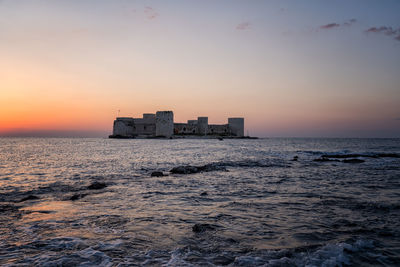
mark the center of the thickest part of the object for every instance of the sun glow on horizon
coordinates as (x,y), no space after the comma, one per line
(69,66)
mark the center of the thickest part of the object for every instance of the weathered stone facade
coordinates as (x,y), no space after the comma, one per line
(162,124)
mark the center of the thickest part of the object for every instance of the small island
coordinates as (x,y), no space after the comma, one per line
(162,125)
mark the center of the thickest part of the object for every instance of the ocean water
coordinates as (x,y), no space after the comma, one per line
(255,206)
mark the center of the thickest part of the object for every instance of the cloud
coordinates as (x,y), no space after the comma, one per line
(383,29)
(386,30)
(150,12)
(337,25)
(243,26)
(329,26)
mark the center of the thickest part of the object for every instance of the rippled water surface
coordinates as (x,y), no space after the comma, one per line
(258,206)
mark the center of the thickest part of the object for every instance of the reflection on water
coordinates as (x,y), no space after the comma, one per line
(48,211)
(265,208)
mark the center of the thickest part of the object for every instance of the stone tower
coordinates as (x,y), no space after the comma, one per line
(202,125)
(123,127)
(164,123)
(236,126)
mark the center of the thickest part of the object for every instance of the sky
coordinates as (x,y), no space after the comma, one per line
(290,68)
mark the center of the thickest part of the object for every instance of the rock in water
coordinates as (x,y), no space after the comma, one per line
(157,174)
(204,194)
(377,155)
(185,169)
(30,197)
(77,196)
(202,227)
(188,169)
(97,185)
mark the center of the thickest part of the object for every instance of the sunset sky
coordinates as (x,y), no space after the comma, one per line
(290,68)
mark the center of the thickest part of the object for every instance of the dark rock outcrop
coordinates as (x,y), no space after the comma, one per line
(157,174)
(77,196)
(354,158)
(30,197)
(202,227)
(97,186)
(188,169)
(374,155)
(295,158)
(185,169)
(204,194)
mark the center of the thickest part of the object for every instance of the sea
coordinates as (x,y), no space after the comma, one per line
(241,202)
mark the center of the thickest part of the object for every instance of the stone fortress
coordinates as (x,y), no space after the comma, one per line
(162,124)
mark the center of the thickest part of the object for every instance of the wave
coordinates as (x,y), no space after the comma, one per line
(350,154)
(77,252)
(334,254)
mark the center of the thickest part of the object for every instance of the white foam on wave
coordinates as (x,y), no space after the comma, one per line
(76,252)
(248,261)
(83,258)
(115,244)
(331,254)
(177,258)
(338,254)
(94,258)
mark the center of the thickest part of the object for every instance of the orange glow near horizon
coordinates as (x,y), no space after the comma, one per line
(67,69)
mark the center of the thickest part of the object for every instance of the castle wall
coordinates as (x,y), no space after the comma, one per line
(123,127)
(164,123)
(149,118)
(131,127)
(236,126)
(185,128)
(218,129)
(144,129)
(202,125)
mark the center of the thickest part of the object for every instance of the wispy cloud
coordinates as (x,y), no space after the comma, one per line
(386,30)
(150,12)
(337,25)
(329,26)
(243,26)
(383,29)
